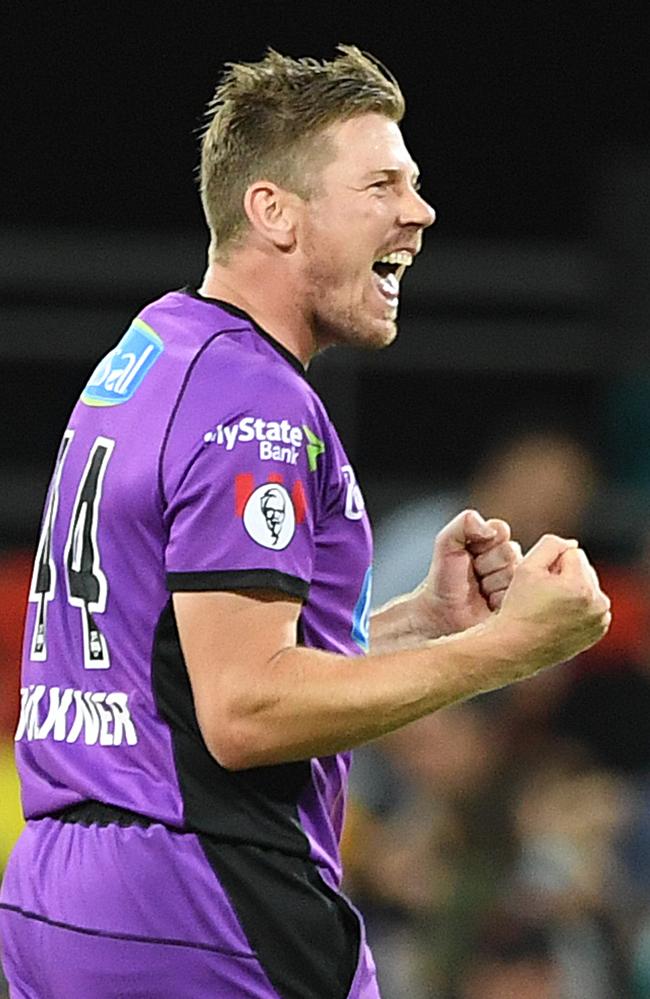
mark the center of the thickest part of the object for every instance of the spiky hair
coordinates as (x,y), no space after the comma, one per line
(263,119)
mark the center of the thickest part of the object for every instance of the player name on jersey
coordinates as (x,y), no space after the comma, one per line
(67,715)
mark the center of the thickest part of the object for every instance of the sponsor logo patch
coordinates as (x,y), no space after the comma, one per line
(118,375)
(269,517)
(276,440)
(270,512)
(354,502)
(315,448)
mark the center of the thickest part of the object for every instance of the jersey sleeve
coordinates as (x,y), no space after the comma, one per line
(240,480)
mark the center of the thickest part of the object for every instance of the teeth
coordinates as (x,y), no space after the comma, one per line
(400,257)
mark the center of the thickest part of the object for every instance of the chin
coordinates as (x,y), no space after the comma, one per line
(366,338)
(378,336)
(356,331)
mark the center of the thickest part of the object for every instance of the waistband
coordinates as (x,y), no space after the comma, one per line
(88,813)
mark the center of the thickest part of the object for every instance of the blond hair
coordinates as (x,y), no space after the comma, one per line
(262,122)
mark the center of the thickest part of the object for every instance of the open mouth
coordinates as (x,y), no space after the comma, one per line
(389,270)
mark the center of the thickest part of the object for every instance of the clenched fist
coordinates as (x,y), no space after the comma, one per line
(471,570)
(554,607)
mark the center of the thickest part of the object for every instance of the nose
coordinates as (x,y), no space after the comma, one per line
(417,211)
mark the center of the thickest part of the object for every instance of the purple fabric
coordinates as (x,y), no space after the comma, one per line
(119,884)
(197,451)
(157,923)
(223,460)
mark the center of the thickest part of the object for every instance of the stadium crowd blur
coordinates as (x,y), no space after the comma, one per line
(500,848)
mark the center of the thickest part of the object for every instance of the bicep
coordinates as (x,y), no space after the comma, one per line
(227,640)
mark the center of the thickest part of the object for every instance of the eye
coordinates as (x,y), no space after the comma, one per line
(380,184)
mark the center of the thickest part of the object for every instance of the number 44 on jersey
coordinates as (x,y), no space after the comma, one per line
(86,584)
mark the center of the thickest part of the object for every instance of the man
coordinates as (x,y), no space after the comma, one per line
(193,676)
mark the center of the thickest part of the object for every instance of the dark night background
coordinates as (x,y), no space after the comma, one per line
(510,105)
(530,125)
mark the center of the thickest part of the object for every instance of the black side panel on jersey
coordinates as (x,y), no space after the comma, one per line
(305,935)
(257,806)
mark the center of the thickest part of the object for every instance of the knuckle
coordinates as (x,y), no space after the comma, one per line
(495,581)
(500,525)
(496,599)
(601,622)
(602,599)
(487,563)
(512,551)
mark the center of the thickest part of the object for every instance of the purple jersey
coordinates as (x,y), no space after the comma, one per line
(197,458)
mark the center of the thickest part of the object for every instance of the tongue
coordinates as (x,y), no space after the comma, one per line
(389,286)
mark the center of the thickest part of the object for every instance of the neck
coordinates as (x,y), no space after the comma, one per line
(272,301)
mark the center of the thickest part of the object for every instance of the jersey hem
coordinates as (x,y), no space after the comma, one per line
(238,579)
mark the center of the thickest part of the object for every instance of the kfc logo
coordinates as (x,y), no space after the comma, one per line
(274,509)
(269,516)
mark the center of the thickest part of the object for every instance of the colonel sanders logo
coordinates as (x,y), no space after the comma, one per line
(269,516)
(273,506)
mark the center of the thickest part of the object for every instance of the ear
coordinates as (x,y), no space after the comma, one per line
(271,211)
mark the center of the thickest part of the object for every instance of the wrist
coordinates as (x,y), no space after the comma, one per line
(490,655)
(432,617)
(423,613)
(396,625)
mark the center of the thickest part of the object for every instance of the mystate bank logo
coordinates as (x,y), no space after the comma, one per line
(276,440)
(269,511)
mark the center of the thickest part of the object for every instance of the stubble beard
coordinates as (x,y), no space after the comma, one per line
(334,324)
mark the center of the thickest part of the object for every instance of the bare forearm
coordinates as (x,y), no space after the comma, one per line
(395,626)
(402,624)
(261,700)
(312,703)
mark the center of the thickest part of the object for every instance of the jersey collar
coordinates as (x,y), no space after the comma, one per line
(234,310)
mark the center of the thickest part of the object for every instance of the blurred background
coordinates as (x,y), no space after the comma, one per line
(500,848)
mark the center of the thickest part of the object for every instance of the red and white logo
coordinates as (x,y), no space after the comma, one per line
(270,513)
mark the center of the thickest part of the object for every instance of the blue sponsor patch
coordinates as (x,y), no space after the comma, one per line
(361,614)
(120,373)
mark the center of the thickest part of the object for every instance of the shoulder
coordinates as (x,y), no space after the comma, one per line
(238,372)
(228,361)
(244,396)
